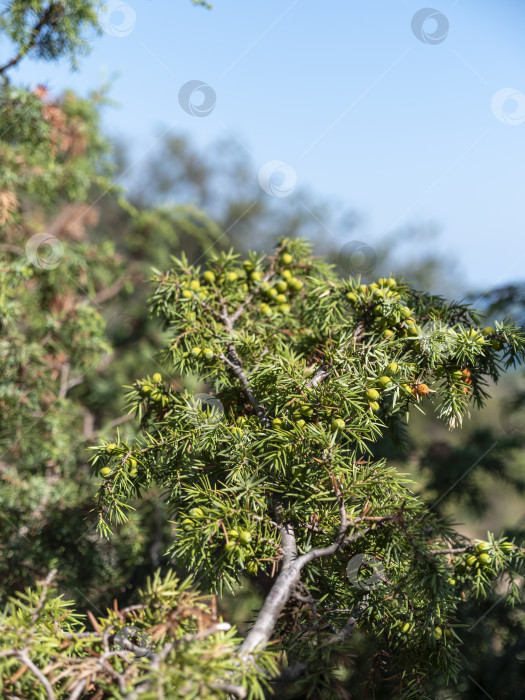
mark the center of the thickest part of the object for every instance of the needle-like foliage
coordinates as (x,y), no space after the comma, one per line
(271,471)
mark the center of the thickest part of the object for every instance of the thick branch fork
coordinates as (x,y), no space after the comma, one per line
(287,579)
(281,591)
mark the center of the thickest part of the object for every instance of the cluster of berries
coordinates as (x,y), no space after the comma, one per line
(200,289)
(152,390)
(405,628)
(130,463)
(278,292)
(382,301)
(235,539)
(373,394)
(482,557)
(242,540)
(492,337)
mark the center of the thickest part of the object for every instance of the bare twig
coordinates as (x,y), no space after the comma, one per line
(11,249)
(377,522)
(290,674)
(78,690)
(89,424)
(347,631)
(236,690)
(47,582)
(318,377)
(157,542)
(23,656)
(63,380)
(122,419)
(109,292)
(274,603)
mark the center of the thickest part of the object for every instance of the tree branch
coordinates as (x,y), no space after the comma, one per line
(236,690)
(234,363)
(318,377)
(63,380)
(275,601)
(11,249)
(109,292)
(290,674)
(46,18)
(23,656)
(348,630)
(78,690)
(288,578)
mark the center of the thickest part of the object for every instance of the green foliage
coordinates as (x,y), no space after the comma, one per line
(171,643)
(69,317)
(274,477)
(52,334)
(267,450)
(47,30)
(50,148)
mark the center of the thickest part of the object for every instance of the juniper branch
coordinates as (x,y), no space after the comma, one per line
(288,579)
(234,363)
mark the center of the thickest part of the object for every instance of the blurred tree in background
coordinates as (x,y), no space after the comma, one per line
(67,345)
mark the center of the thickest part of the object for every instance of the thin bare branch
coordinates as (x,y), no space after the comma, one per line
(109,292)
(347,631)
(236,690)
(23,656)
(46,583)
(63,380)
(78,690)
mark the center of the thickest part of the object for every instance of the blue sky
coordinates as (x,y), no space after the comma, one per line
(405,132)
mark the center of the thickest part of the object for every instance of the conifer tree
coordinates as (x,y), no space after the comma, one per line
(59,271)
(270,473)
(270,477)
